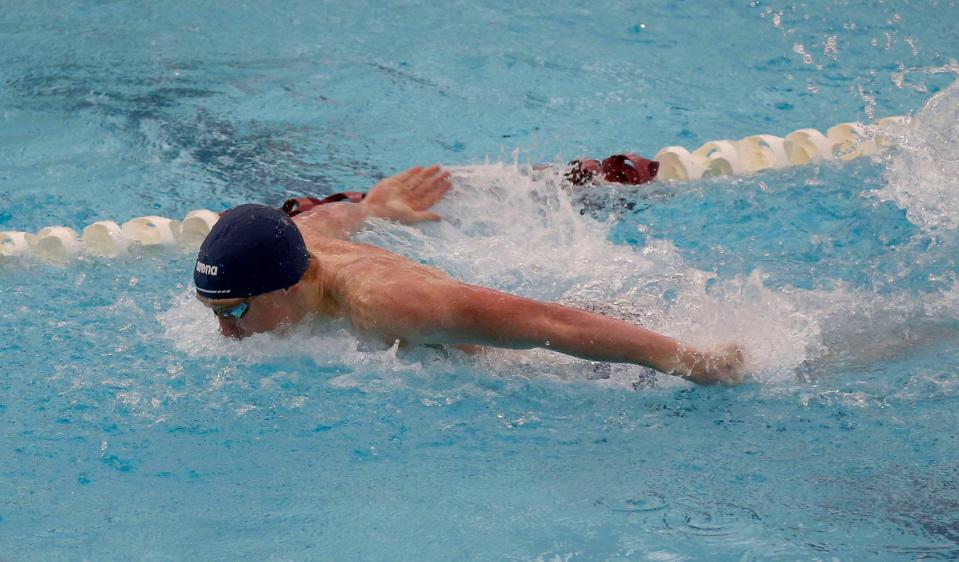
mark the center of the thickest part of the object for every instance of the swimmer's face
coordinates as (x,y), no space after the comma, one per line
(264,313)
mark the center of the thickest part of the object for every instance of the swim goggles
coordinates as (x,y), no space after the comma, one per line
(232,313)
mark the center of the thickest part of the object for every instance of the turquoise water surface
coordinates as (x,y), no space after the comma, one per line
(129,429)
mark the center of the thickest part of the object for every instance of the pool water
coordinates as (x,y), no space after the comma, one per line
(130,429)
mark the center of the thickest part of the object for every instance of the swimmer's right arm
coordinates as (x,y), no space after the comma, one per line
(405,197)
(455,313)
(506,320)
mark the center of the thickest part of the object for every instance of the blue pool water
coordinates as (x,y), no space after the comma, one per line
(130,429)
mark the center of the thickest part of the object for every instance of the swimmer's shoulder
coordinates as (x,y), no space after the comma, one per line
(332,248)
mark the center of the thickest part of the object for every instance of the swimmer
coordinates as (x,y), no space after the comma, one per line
(259,270)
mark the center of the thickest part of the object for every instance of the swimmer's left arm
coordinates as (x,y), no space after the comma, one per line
(405,197)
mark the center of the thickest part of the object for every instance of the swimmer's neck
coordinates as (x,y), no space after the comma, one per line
(320,291)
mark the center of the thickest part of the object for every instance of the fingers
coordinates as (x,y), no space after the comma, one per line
(431,170)
(407,174)
(427,199)
(419,188)
(438,193)
(722,365)
(424,178)
(428,216)
(411,177)
(416,173)
(439,183)
(730,364)
(432,185)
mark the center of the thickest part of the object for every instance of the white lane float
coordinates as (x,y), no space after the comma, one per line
(107,239)
(14,243)
(151,230)
(104,239)
(763,152)
(852,140)
(196,225)
(678,164)
(57,243)
(721,158)
(808,146)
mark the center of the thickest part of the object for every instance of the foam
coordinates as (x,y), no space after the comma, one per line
(922,172)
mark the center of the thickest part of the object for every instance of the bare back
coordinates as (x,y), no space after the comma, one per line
(365,280)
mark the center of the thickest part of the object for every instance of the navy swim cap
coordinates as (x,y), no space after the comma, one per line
(251,250)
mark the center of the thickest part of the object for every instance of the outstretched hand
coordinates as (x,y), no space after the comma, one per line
(725,365)
(408,196)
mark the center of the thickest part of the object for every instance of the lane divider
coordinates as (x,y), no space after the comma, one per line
(725,157)
(758,153)
(107,238)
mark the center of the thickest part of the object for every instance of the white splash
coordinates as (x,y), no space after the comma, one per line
(923,173)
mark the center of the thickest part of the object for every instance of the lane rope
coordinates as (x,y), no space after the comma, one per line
(750,155)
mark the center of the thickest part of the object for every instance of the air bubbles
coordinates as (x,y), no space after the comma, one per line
(800,49)
(831,50)
(912,45)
